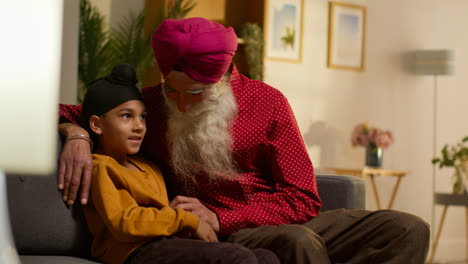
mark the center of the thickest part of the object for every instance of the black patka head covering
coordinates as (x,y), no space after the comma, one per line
(108,92)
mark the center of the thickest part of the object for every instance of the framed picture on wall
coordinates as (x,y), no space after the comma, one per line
(346,36)
(283,30)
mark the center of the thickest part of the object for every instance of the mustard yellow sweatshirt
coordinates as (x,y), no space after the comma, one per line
(128,208)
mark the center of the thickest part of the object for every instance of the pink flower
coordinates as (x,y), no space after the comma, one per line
(358,137)
(363,140)
(364,135)
(384,139)
(373,134)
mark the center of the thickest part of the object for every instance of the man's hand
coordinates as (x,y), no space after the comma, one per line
(194,206)
(205,232)
(75,165)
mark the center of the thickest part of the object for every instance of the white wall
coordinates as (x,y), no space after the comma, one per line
(329,102)
(121,8)
(104,7)
(114,10)
(69,67)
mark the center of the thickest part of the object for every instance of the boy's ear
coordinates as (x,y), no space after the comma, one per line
(95,124)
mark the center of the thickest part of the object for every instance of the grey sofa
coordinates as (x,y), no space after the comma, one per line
(45,230)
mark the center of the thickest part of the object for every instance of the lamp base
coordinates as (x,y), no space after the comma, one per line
(8,252)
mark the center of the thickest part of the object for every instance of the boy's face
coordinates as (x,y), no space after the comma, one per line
(122,129)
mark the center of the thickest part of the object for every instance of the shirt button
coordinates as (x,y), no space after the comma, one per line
(249,196)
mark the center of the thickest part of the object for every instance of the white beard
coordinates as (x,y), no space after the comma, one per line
(200,140)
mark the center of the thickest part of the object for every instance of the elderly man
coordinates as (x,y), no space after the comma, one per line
(230,147)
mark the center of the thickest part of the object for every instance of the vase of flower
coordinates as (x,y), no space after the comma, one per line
(374,140)
(374,155)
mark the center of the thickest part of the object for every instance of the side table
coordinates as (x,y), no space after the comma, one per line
(372,173)
(447,199)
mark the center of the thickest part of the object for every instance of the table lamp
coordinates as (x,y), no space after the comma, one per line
(29,81)
(434,63)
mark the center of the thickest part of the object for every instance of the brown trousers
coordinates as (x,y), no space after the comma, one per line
(190,251)
(344,236)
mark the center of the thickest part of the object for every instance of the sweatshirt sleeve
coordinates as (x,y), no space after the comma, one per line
(128,221)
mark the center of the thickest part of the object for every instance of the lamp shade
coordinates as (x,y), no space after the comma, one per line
(432,62)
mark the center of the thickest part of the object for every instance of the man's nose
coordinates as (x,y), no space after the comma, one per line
(183,103)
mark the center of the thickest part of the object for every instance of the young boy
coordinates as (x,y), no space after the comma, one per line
(129,214)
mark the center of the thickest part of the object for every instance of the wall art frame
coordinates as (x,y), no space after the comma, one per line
(284,30)
(346,36)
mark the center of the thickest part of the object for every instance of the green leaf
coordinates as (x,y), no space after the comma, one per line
(129,45)
(452,155)
(93,46)
(253,36)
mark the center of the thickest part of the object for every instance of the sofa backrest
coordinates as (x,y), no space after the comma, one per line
(42,224)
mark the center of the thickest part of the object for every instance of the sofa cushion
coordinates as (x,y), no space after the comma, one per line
(42,224)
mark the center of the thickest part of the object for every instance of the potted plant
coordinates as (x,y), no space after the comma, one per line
(455,156)
(374,139)
(252,34)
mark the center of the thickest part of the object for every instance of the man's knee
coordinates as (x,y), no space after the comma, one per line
(399,238)
(411,229)
(409,224)
(417,230)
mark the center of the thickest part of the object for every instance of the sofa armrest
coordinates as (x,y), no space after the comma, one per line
(42,224)
(339,191)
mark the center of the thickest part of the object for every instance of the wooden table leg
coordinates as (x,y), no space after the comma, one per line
(376,192)
(436,240)
(395,189)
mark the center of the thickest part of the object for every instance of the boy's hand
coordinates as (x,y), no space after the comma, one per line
(194,206)
(205,232)
(75,165)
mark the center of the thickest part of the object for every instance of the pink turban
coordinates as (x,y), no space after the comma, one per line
(202,48)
